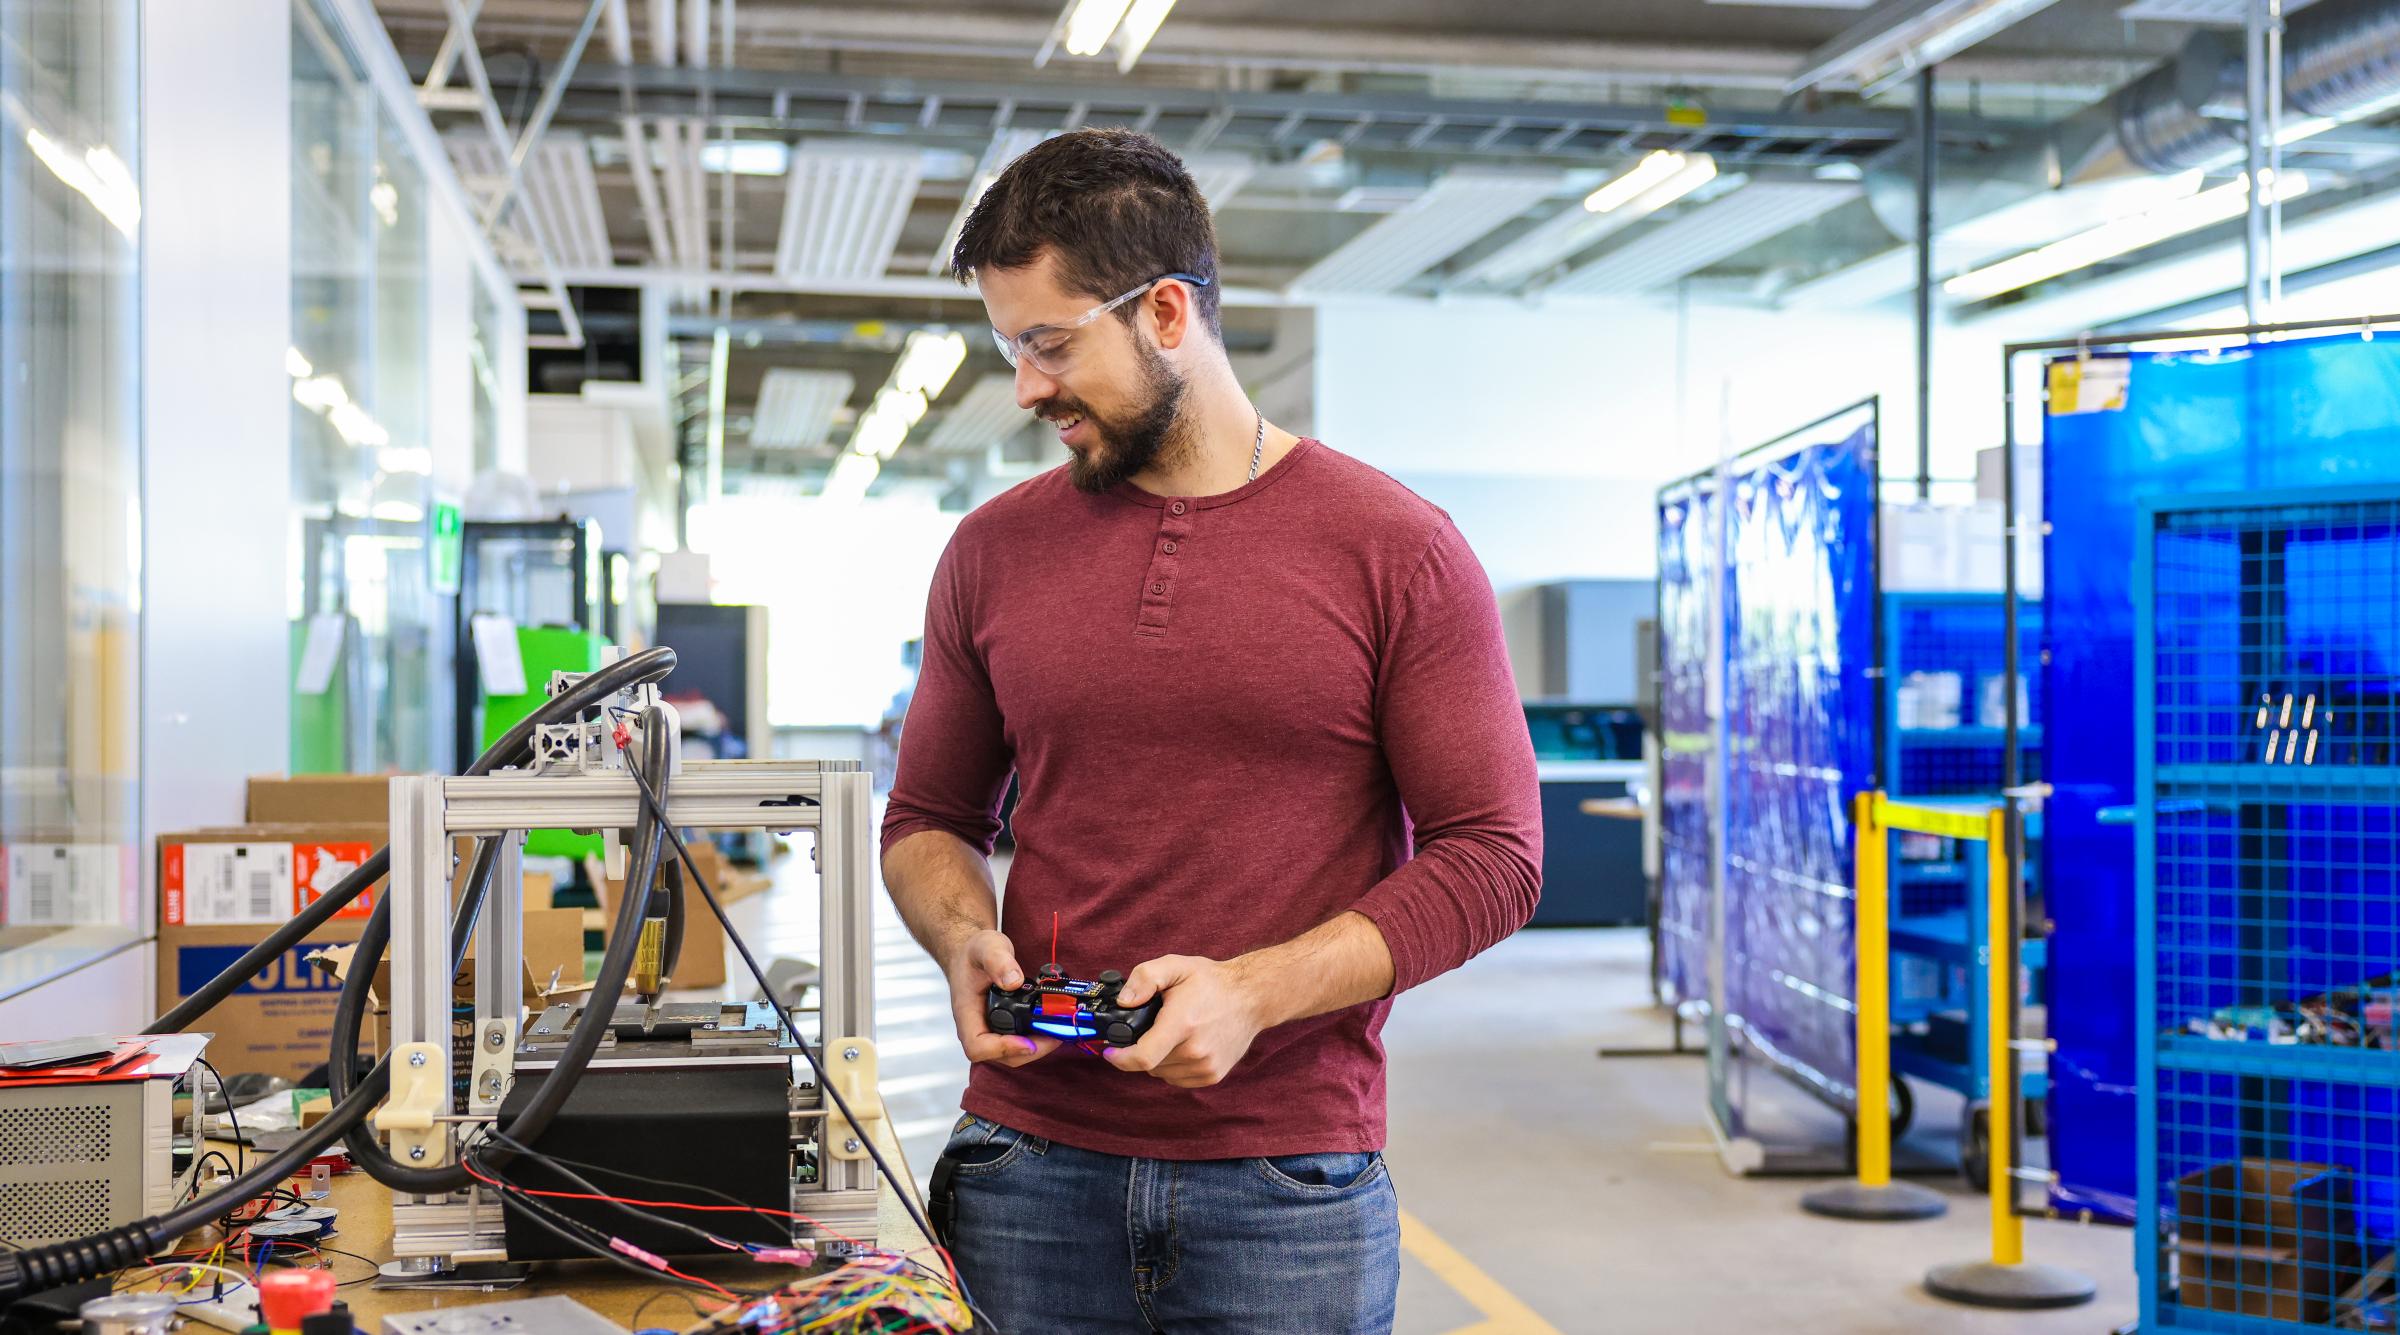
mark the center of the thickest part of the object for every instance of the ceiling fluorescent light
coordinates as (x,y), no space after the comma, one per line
(1141,24)
(928,360)
(904,405)
(851,476)
(1899,38)
(879,432)
(746,157)
(1691,176)
(1650,171)
(2121,237)
(1089,23)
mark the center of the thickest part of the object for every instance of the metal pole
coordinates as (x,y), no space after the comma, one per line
(2000,979)
(1924,118)
(1874,1000)
(2255,134)
(2274,258)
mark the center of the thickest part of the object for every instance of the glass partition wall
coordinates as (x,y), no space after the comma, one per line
(365,617)
(70,488)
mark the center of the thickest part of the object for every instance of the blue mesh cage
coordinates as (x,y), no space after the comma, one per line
(2310,412)
(2269,653)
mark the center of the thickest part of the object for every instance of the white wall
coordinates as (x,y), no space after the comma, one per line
(1547,431)
(216,319)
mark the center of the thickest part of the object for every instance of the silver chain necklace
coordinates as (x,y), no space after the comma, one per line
(1258,448)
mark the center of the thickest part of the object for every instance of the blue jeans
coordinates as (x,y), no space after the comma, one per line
(1053,1240)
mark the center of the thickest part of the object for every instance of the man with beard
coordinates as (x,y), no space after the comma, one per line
(1239,678)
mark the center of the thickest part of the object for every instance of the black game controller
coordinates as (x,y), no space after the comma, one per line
(1070,1009)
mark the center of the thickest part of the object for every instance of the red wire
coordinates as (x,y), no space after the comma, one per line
(1054,936)
(671,1205)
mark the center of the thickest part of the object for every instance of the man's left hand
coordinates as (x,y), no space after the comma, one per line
(1206,1020)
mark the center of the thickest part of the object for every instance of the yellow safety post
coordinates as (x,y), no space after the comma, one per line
(1873,1196)
(2007,1280)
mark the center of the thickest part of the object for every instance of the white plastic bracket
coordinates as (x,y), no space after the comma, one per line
(418,1094)
(495,1064)
(850,1070)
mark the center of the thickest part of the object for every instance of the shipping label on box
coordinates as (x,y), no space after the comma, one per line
(66,885)
(250,884)
(318,868)
(219,885)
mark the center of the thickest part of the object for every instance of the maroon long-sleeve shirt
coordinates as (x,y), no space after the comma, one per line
(1225,713)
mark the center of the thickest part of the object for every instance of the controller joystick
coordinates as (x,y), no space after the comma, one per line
(1073,1010)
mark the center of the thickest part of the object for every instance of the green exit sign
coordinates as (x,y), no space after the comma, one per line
(448,546)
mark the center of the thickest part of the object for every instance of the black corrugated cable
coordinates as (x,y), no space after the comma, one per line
(32,1269)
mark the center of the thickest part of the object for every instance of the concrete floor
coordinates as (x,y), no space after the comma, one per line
(1555,1191)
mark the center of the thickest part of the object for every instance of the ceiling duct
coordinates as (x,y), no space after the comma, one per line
(2339,56)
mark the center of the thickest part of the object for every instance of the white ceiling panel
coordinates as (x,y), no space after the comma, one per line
(558,200)
(796,407)
(1460,208)
(1718,230)
(843,209)
(982,417)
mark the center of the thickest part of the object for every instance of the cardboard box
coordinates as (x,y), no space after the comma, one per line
(553,969)
(222,890)
(220,893)
(702,964)
(2265,1238)
(319,799)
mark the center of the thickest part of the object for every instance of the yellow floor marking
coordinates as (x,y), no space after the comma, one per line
(1503,1313)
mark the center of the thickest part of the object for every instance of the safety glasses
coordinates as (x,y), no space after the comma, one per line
(1050,347)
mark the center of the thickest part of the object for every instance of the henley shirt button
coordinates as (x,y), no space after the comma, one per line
(1170,549)
(1159,586)
(1176,508)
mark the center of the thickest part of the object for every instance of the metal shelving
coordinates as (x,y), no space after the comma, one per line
(2268,835)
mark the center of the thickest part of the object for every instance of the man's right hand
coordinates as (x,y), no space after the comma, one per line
(988,959)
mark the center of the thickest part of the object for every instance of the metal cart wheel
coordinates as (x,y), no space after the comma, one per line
(1904,1107)
(1975,1145)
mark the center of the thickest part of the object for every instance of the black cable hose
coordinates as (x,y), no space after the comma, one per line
(582,1042)
(513,747)
(33,1269)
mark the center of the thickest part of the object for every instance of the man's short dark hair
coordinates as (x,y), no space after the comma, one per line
(1113,208)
